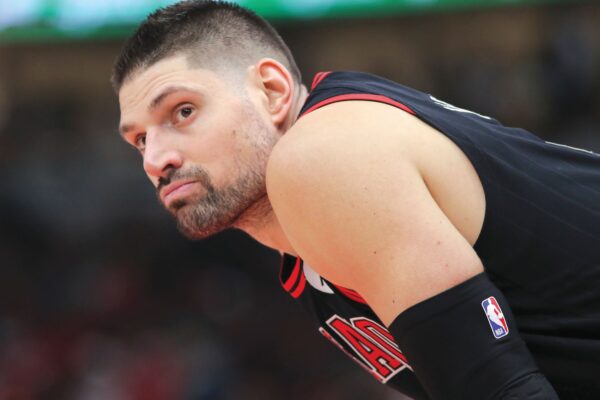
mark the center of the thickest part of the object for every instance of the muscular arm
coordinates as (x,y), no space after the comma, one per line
(350,195)
(357,188)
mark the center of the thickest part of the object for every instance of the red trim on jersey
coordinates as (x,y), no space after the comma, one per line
(351,294)
(315,80)
(360,96)
(291,281)
(300,288)
(318,78)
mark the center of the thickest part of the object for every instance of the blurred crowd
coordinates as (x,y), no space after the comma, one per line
(100,297)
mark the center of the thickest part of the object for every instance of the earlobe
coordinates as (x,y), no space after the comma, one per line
(277,84)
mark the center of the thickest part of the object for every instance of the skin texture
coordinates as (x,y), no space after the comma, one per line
(374,199)
(392,206)
(192,126)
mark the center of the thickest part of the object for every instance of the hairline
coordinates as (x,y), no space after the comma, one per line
(193,60)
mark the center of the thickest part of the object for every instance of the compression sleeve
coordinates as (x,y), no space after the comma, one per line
(464,344)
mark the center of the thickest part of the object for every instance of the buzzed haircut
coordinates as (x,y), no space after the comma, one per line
(211,33)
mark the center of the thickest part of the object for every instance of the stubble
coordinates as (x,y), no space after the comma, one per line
(243,202)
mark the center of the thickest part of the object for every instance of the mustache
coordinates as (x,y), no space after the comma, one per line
(195,173)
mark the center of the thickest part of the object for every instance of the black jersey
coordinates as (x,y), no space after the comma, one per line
(540,243)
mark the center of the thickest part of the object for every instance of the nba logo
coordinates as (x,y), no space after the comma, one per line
(495,317)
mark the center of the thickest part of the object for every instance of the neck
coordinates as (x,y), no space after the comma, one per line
(299,100)
(264,226)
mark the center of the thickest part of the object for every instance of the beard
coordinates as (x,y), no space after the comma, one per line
(243,201)
(218,209)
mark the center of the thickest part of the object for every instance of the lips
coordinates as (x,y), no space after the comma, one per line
(175,190)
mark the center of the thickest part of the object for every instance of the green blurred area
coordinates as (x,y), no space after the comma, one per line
(42,20)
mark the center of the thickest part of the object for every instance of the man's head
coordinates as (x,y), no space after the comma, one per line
(206,89)
(212,34)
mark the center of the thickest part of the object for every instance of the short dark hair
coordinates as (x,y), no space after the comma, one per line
(210,31)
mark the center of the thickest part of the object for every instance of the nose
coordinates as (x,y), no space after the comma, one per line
(160,155)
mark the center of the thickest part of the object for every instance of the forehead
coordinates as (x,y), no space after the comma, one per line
(139,89)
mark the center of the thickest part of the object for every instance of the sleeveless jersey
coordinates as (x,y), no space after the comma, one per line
(540,243)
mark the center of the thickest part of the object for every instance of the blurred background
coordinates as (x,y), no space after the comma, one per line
(100,297)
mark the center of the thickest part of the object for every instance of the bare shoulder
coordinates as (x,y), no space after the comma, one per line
(358,131)
(345,124)
(353,132)
(354,187)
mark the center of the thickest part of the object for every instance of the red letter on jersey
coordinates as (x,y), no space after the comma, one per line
(380,335)
(378,355)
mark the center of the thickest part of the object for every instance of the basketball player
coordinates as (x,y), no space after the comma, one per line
(449,255)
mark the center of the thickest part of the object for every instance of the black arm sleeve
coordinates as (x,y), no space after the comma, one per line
(463,344)
(531,387)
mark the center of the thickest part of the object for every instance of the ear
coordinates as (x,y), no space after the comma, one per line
(277,86)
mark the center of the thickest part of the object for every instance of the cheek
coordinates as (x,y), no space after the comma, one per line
(229,134)
(230,143)
(217,152)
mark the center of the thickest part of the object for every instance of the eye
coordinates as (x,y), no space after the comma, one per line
(140,142)
(183,113)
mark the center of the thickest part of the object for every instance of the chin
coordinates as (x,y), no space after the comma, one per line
(201,218)
(199,232)
(196,224)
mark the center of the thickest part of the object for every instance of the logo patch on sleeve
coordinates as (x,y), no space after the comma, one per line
(495,317)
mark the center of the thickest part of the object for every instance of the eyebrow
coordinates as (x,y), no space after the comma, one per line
(157,101)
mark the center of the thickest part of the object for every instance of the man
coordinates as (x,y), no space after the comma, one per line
(452,257)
